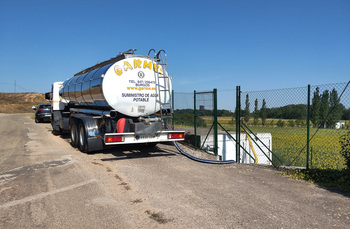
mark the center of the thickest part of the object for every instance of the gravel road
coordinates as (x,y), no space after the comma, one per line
(45,183)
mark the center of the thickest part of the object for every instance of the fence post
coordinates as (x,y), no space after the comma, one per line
(195,120)
(238,124)
(308,127)
(215,122)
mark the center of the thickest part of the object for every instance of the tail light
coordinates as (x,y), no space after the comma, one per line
(41,109)
(114,139)
(176,136)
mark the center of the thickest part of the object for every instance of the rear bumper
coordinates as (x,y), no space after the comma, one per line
(134,138)
(43,117)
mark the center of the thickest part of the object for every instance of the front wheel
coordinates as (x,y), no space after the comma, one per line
(56,129)
(83,145)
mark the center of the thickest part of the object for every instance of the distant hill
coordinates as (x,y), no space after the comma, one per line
(20,102)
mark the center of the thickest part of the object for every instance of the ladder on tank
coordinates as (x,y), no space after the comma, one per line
(163,85)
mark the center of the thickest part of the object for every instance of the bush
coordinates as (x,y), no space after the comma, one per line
(331,178)
(291,123)
(345,148)
(300,122)
(187,119)
(280,123)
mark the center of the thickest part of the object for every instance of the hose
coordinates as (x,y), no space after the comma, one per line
(196,158)
(251,146)
(201,160)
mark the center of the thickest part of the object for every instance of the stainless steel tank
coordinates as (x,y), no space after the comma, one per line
(130,84)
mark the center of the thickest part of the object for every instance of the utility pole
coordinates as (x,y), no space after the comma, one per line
(15,86)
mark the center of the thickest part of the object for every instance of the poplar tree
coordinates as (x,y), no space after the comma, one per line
(324,108)
(256,112)
(315,108)
(246,110)
(335,109)
(263,113)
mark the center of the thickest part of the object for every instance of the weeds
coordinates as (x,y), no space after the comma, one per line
(330,178)
(159,217)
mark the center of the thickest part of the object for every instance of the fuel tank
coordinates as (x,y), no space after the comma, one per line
(130,84)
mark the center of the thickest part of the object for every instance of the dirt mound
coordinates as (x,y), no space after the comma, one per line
(20,102)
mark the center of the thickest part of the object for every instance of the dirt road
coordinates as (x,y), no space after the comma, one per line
(45,183)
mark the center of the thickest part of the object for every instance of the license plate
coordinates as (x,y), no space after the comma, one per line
(143,137)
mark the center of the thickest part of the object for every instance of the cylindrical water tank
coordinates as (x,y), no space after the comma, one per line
(132,85)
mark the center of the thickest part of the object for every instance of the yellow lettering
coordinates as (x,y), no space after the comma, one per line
(155,67)
(147,64)
(118,70)
(137,63)
(127,66)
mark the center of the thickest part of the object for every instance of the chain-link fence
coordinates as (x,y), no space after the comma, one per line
(194,113)
(274,112)
(284,114)
(330,119)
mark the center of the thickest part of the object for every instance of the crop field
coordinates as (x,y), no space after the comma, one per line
(289,144)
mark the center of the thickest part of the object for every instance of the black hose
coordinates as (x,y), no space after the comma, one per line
(201,160)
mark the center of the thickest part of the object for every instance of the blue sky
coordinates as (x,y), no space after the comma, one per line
(256,44)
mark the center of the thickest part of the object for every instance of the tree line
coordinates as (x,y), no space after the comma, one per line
(325,110)
(221,112)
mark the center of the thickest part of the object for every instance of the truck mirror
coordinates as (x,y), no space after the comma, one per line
(48,96)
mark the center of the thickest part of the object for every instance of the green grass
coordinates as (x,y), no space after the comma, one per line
(289,144)
(330,178)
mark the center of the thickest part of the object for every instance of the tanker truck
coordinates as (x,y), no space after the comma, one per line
(124,100)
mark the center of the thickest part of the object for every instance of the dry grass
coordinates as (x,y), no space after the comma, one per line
(20,102)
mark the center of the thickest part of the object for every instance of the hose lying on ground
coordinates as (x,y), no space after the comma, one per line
(201,160)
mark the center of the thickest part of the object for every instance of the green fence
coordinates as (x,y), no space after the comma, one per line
(284,113)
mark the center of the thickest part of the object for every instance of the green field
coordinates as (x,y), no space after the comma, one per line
(289,144)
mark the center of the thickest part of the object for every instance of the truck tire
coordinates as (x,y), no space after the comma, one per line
(74,135)
(56,132)
(83,145)
(56,129)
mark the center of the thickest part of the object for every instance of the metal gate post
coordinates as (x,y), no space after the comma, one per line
(238,124)
(215,122)
(195,120)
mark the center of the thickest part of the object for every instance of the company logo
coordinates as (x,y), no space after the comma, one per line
(142,64)
(141,74)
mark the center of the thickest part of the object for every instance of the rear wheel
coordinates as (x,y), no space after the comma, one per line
(83,145)
(73,134)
